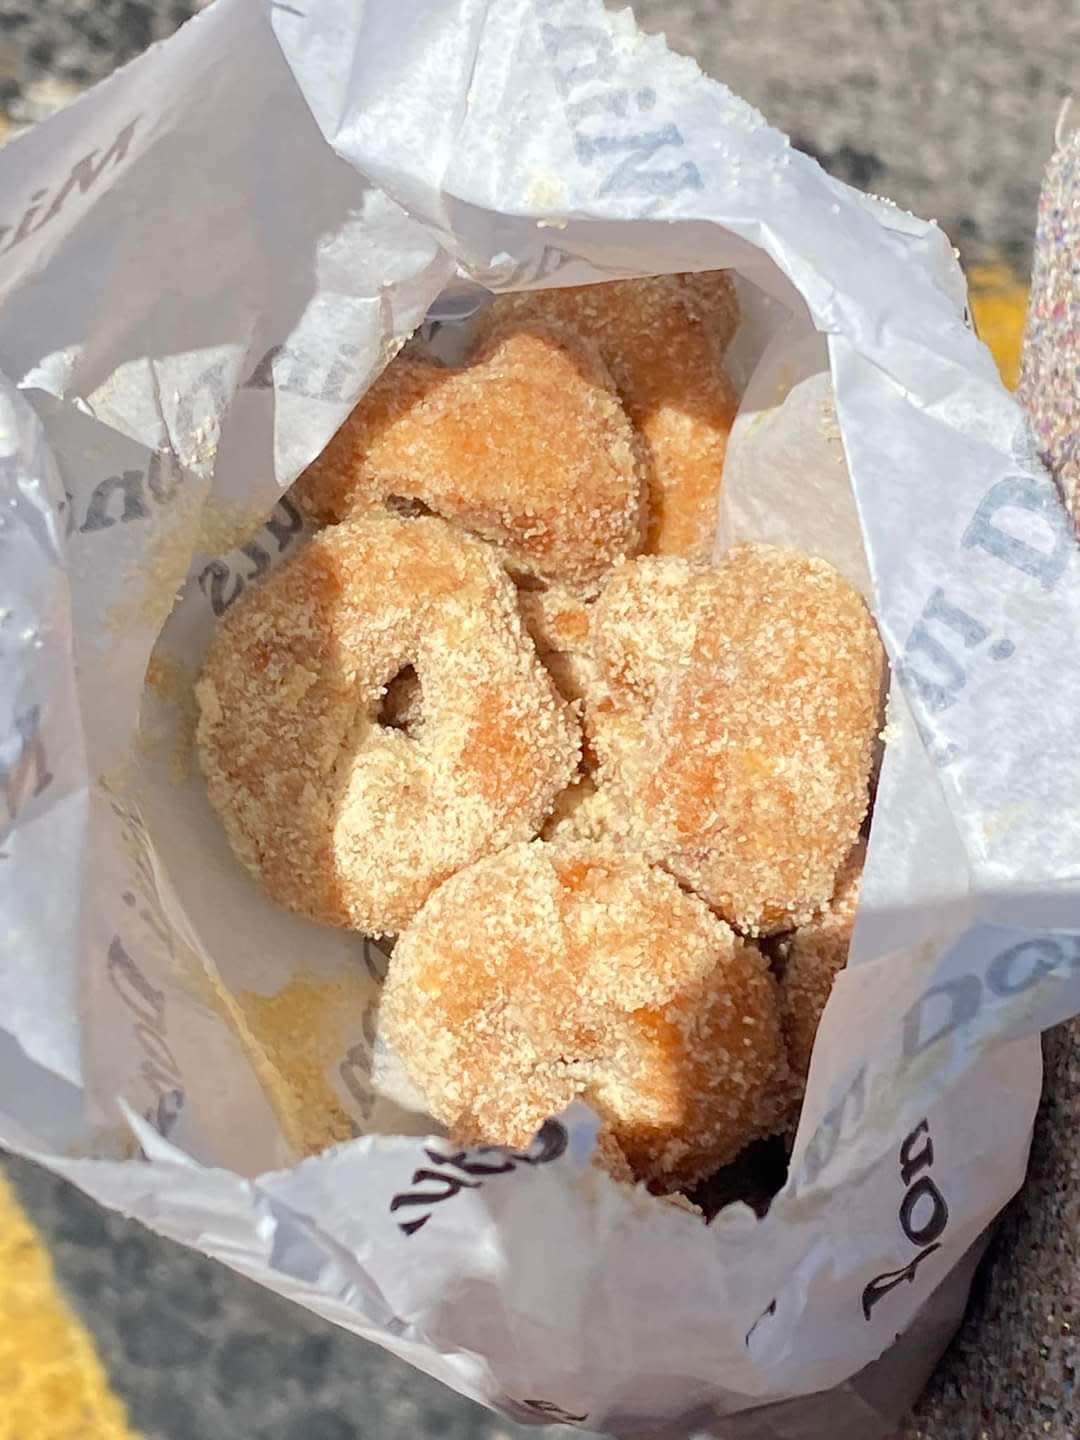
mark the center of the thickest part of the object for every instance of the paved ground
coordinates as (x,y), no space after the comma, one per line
(950,110)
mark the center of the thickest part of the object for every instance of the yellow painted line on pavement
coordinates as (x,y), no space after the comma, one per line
(999,302)
(52,1384)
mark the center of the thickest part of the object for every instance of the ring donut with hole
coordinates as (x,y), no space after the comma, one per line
(344,819)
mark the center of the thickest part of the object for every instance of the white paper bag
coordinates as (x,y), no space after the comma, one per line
(203,264)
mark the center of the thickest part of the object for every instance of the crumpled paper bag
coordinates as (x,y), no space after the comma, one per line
(203,264)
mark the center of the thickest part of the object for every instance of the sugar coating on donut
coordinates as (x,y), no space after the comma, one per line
(549,972)
(743,724)
(342,818)
(813,957)
(557,621)
(663,339)
(591,809)
(589,812)
(646,624)
(528,446)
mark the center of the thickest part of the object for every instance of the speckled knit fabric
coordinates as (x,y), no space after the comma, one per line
(1049,378)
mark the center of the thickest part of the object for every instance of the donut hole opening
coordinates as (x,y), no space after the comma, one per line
(407,507)
(402,705)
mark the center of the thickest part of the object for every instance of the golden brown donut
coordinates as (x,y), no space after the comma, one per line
(548,972)
(528,447)
(746,700)
(344,819)
(813,957)
(662,339)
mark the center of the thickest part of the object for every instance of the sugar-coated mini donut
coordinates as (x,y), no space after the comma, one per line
(813,957)
(662,339)
(745,705)
(528,447)
(549,972)
(345,819)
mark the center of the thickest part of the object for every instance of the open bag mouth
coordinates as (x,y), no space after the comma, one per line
(348,200)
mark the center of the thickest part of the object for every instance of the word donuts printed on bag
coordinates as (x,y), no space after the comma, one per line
(923,1215)
(287,367)
(83,175)
(127,497)
(947,639)
(223,581)
(1018,970)
(158,1069)
(583,63)
(474,1167)
(955,1003)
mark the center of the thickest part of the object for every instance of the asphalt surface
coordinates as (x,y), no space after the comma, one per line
(949,109)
